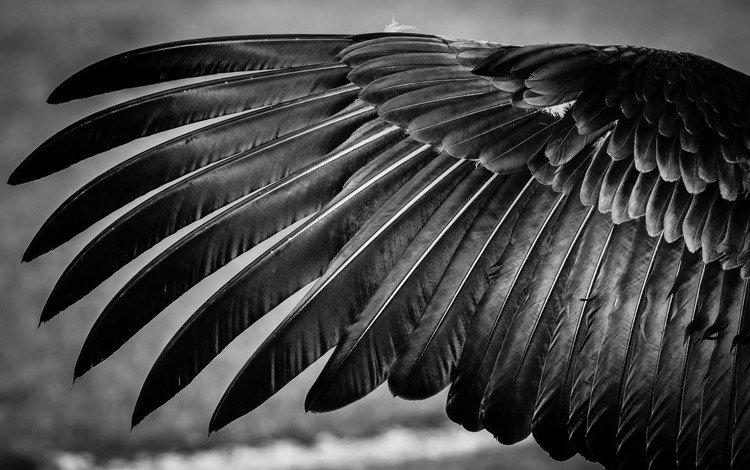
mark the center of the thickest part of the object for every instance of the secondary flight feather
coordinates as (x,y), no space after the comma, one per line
(559,233)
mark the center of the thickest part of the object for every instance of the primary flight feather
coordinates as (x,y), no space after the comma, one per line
(560,234)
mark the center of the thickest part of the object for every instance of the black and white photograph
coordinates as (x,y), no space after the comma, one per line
(374,235)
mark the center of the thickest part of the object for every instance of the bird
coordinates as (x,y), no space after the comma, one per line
(558,234)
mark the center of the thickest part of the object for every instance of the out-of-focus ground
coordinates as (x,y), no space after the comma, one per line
(43,41)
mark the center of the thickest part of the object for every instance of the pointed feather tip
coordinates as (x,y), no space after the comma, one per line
(35,166)
(407,390)
(504,434)
(404,392)
(321,403)
(368,95)
(45,316)
(487,66)
(51,308)
(399,389)
(20,175)
(135,421)
(28,255)
(83,365)
(65,91)
(309,406)
(230,408)
(36,248)
(141,409)
(220,418)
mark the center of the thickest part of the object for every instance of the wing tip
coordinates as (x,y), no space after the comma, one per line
(37,247)
(50,309)
(81,367)
(221,417)
(37,164)
(135,421)
(406,389)
(29,255)
(84,83)
(21,175)
(231,407)
(89,357)
(142,408)
(310,405)
(57,98)
(62,93)
(321,402)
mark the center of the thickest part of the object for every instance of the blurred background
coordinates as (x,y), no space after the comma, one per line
(47,424)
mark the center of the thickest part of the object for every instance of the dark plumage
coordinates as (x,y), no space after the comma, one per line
(558,233)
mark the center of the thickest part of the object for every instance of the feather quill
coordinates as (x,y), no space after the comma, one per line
(714,431)
(427,362)
(168,109)
(232,232)
(549,422)
(363,358)
(491,319)
(179,156)
(649,326)
(508,403)
(198,57)
(194,197)
(316,323)
(696,365)
(662,424)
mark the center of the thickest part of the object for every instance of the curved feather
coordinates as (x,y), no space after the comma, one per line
(194,197)
(488,328)
(316,323)
(379,67)
(168,109)
(740,437)
(714,432)
(178,157)
(600,293)
(696,365)
(645,342)
(232,232)
(549,423)
(363,358)
(662,424)
(263,284)
(383,89)
(552,300)
(508,403)
(359,53)
(193,58)
(622,310)
(427,362)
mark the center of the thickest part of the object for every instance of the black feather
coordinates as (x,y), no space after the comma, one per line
(173,108)
(198,57)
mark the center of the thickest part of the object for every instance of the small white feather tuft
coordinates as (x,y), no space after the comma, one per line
(558,110)
(396,27)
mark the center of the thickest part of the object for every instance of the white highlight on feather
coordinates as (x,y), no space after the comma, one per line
(417,152)
(396,27)
(598,143)
(424,255)
(512,284)
(365,185)
(456,217)
(295,176)
(484,247)
(558,110)
(473,265)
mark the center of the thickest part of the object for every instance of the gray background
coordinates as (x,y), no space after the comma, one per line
(43,41)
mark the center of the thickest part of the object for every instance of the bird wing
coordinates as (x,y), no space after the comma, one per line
(558,233)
